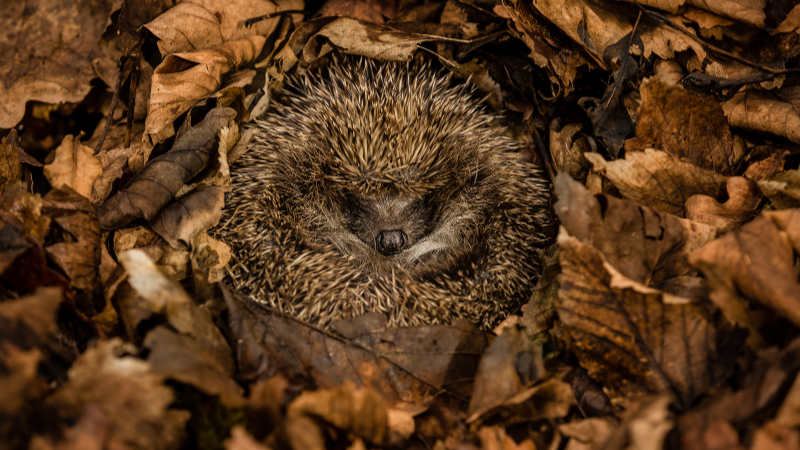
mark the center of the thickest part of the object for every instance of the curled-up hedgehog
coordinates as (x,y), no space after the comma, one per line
(385,187)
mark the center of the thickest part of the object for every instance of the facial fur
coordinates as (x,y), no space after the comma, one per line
(385,172)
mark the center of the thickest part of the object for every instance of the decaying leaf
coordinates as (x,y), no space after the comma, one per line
(155,185)
(75,166)
(686,126)
(658,180)
(50,51)
(757,262)
(130,396)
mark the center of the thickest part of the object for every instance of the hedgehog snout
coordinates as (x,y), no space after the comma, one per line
(391,242)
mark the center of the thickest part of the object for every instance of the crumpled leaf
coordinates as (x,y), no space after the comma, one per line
(658,180)
(49,53)
(403,364)
(757,262)
(634,339)
(181,220)
(686,126)
(782,189)
(774,111)
(78,258)
(183,79)
(567,152)
(361,38)
(646,246)
(131,397)
(74,166)
(744,197)
(156,184)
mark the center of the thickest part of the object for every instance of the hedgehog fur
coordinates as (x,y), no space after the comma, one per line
(385,187)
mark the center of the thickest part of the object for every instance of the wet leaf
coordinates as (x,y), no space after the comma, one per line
(50,51)
(74,166)
(155,185)
(686,126)
(658,180)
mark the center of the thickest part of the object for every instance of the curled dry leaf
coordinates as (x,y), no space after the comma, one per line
(131,397)
(686,126)
(361,38)
(744,197)
(567,152)
(634,339)
(50,55)
(403,364)
(156,184)
(183,79)
(182,219)
(774,111)
(658,180)
(75,166)
(782,189)
(646,246)
(757,262)
(79,254)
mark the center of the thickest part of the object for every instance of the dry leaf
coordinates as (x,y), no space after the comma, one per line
(646,428)
(632,338)
(757,262)
(744,197)
(587,434)
(774,111)
(782,189)
(495,438)
(241,440)
(155,185)
(50,50)
(193,213)
(748,11)
(658,180)
(10,166)
(567,152)
(29,321)
(74,166)
(686,126)
(183,79)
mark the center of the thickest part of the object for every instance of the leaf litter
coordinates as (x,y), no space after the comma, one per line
(667,315)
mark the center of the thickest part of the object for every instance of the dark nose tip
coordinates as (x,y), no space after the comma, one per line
(390,242)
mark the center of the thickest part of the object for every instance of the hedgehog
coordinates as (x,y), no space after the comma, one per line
(385,187)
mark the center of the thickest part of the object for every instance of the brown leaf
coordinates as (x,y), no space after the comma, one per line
(686,126)
(28,322)
(19,383)
(567,152)
(155,185)
(130,396)
(748,11)
(782,189)
(744,196)
(241,440)
(403,364)
(772,436)
(183,79)
(10,166)
(643,245)
(78,255)
(74,166)
(550,400)
(24,211)
(632,338)
(189,215)
(757,262)
(774,111)
(658,180)
(49,53)
(645,428)
(586,434)
(539,313)
(360,411)
(718,436)
(365,10)
(495,438)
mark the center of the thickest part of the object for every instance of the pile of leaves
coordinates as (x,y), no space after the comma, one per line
(668,315)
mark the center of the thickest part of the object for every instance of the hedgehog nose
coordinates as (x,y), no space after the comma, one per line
(391,242)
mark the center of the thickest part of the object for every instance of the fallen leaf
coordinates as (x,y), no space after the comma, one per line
(495,438)
(772,436)
(49,53)
(632,338)
(658,180)
(749,11)
(209,258)
(773,111)
(782,189)
(586,434)
(130,396)
(155,185)
(74,166)
(567,152)
(29,321)
(19,383)
(79,253)
(686,126)
(757,262)
(189,215)
(10,165)
(183,79)
(718,436)
(744,196)
(550,400)
(646,428)
(241,440)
